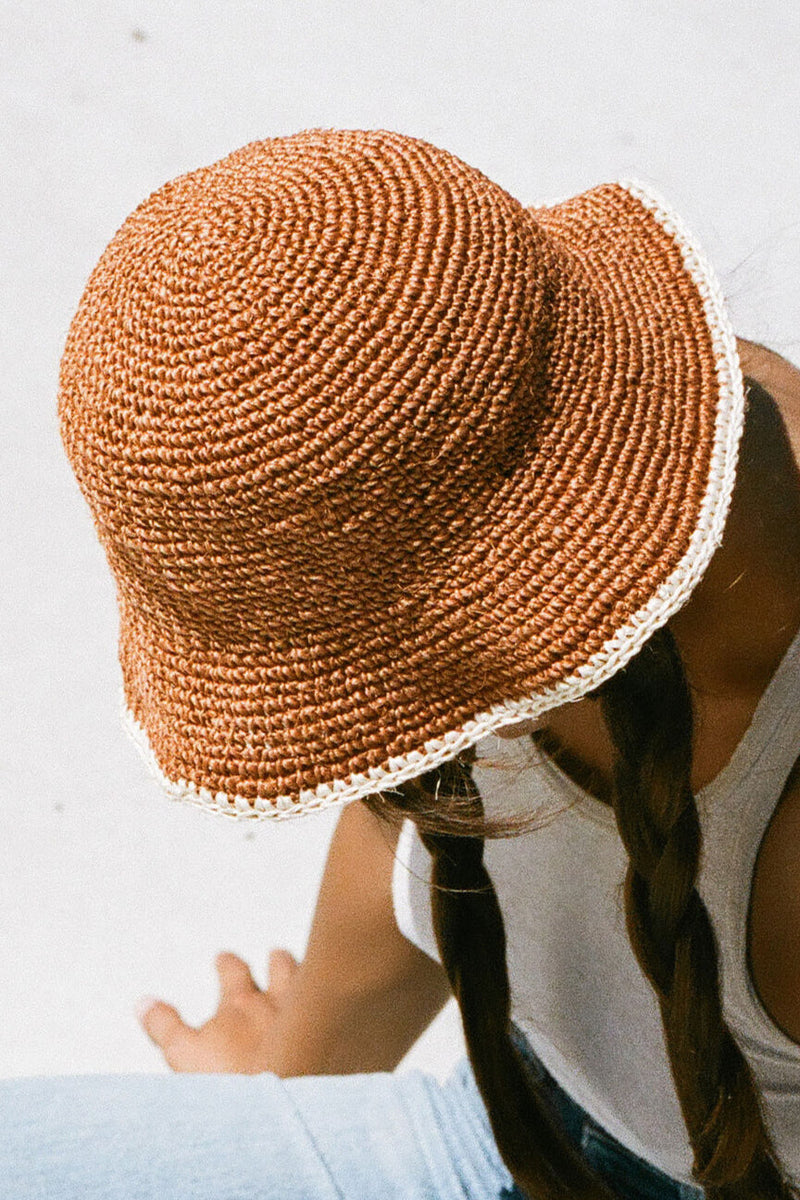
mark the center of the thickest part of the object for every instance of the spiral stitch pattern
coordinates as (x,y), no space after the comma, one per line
(382,460)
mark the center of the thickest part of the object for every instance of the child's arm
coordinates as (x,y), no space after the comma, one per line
(358,1001)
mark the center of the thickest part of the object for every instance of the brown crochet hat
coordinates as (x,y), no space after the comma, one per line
(382,460)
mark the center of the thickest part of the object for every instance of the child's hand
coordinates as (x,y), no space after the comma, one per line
(241,1037)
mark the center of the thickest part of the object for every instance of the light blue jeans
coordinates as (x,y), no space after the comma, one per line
(257,1137)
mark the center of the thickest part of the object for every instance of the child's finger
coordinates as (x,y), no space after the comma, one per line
(161,1022)
(282,968)
(234,976)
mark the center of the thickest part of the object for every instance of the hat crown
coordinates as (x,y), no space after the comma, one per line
(291,370)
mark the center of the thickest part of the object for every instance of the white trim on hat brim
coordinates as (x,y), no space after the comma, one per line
(669,597)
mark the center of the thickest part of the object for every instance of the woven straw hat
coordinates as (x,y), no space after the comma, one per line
(382,460)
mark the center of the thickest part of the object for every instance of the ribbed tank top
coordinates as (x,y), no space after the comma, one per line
(577,991)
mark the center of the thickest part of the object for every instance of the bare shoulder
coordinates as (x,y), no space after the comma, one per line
(780,378)
(774,925)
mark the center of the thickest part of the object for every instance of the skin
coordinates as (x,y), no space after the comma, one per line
(358,1001)
(363,994)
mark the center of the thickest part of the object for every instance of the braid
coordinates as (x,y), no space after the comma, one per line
(648,710)
(647,707)
(472,945)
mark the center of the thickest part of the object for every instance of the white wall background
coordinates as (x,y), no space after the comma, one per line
(108,890)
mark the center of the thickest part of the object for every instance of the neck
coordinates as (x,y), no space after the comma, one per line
(736,626)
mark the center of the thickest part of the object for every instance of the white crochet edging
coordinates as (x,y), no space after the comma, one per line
(670,596)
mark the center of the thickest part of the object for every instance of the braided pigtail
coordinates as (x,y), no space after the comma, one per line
(472,945)
(647,707)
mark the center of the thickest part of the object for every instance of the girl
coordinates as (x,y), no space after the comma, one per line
(461,512)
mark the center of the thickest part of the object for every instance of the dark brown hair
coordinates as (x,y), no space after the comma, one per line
(648,710)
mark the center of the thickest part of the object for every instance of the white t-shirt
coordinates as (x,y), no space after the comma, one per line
(577,991)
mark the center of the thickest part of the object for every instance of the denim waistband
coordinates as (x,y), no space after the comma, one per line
(629,1176)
